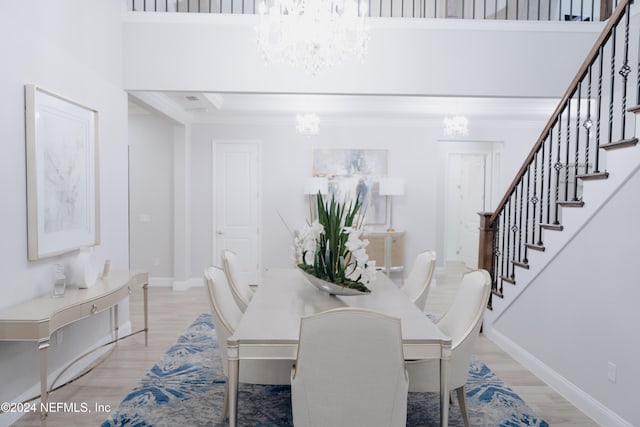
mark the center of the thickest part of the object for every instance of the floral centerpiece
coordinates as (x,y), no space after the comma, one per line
(331,248)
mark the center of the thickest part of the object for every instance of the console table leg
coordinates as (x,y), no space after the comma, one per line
(43,347)
(146,313)
(116,325)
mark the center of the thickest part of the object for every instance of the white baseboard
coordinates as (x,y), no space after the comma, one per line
(191,283)
(177,285)
(9,418)
(578,398)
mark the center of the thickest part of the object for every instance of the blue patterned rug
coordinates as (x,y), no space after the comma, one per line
(186,389)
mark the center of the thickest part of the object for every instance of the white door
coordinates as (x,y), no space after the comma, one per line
(237,205)
(472,195)
(466,196)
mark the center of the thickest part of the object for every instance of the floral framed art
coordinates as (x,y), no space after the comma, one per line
(62,174)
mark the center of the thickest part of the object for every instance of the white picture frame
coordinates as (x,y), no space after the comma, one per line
(62,174)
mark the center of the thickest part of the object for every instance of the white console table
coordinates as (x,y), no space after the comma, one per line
(387,249)
(37,319)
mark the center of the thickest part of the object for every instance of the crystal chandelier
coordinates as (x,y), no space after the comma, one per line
(456,126)
(312,34)
(308,124)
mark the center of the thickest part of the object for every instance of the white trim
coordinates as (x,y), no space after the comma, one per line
(161,282)
(577,397)
(197,282)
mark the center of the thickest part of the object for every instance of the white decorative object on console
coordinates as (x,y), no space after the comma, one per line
(84,271)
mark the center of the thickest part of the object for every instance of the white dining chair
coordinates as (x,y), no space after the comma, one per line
(226,316)
(349,370)
(418,283)
(462,323)
(242,292)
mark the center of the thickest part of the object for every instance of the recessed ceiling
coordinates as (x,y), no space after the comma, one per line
(203,106)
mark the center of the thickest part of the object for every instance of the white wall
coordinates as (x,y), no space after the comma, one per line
(151,194)
(415,153)
(203,52)
(73,48)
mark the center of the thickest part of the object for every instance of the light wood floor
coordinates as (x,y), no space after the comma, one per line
(171,312)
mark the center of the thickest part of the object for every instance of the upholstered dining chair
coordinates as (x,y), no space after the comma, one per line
(349,370)
(418,283)
(226,316)
(462,323)
(242,293)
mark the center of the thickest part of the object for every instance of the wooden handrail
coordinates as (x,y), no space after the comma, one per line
(617,15)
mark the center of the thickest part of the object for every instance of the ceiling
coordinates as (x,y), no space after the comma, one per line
(205,107)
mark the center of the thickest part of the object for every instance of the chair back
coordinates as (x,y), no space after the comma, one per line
(226,314)
(349,370)
(242,293)
(418,282)
(463,320)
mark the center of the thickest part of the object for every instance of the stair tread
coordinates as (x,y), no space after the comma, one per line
(509,279)
(535,247)
(571,203)
(554,227)
(623,143)
(520,264)
(593,176)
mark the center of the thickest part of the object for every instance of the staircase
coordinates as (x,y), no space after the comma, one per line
(584,141)
(561,245)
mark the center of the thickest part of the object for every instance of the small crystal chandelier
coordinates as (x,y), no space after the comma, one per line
(312,34)
(308,124)
(456,126)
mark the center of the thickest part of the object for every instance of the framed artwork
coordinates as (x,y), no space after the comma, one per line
(62,174)
(352,173)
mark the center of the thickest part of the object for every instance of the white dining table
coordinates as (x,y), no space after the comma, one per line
(270,327)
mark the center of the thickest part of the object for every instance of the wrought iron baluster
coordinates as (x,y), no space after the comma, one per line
(509,233)
(541,198)
(577,159)
(560,11)
(612,82)
(566,163)
(549,180)
(514,230)
(624,72)
(504,246)
(588,123)
(526,218)
(596,164)
(520,212)
(558,166)
(534,199)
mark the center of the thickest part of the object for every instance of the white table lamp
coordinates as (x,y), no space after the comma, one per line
(391,187)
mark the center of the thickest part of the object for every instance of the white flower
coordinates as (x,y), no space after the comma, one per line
(305,243)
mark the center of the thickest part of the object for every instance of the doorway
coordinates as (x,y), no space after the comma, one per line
(470,179)
(237,202)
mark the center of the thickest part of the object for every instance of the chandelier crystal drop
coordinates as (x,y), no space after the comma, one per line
(312,34)
(456,126)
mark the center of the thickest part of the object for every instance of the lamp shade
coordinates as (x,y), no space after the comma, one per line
(391,187)
(316,183)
